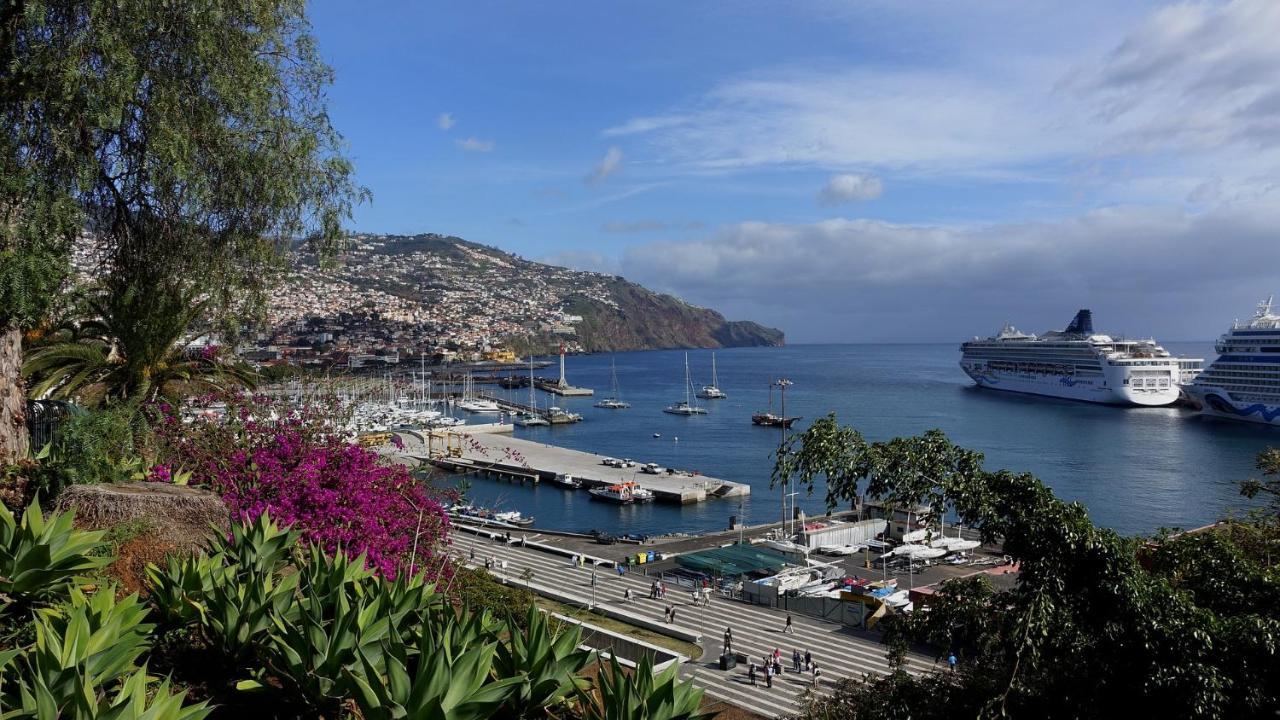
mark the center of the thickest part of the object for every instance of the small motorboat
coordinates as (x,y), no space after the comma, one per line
(657,435)
(513,517)
(565,480)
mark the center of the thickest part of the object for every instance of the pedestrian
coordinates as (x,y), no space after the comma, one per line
(622,569)
(673,614)
(473,554)
(768,676)
(666,615)
(788,628)
(951,661)
(728,641)
(694,595)
(751,673)
(808,660)
(653,590)
(626,595)
(508,537)
(777,667)
(795,660)
(663,586)
(817,673)
(573,561)
(581,560)
(777,654)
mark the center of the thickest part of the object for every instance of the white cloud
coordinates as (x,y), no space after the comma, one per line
(634,226)
(645,124)
(472,144)
(445,121)
(1143,270)
(608,165)
(582,260)
(850,188)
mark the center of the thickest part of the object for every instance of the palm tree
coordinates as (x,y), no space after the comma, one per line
(130,349)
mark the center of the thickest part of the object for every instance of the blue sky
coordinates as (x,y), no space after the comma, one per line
(889,170)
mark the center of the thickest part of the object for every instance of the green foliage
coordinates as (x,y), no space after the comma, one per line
(478,591)
(444,675)
(1087,628)
(235,591)
(101,446)
(344,612)
(130,348)
(1269,463)
(82,652)
(642,695)
(40,558)
(547,664)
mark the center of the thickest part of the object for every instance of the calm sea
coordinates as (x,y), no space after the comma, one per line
(1136,469)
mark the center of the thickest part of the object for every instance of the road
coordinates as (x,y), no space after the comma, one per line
(839,651)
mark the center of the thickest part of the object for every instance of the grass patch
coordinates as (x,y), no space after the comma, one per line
(621,628)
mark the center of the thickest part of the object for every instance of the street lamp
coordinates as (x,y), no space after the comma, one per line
(782,384)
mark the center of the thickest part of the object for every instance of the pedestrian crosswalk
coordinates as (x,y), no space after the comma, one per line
(757,630)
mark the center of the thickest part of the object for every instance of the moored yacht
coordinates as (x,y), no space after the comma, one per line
(712,391)
(1076,364)
(685,407)
(1244,382)
(614,401)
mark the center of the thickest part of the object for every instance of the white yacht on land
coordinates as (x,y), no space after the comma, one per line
(685,407)
(712,391)
(1244,382)
(1076,364)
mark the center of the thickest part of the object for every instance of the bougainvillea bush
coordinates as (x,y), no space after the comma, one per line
(298,463)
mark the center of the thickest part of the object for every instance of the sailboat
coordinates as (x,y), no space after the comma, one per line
(712,391)
(684,407)
(474,404)
(531,417)
(613,402)
(768,419)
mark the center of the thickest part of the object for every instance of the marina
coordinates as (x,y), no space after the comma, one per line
(527,461)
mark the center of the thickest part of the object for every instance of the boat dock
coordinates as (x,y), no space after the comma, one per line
(527,461)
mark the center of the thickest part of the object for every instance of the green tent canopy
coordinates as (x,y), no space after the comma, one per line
(733,560)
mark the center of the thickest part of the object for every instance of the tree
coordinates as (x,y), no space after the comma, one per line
(1096,621)
(1269,464)
(191,138)
(132,351)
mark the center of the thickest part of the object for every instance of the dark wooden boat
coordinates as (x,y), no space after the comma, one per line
(768,419)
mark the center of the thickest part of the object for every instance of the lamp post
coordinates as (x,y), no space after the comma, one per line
(782,384)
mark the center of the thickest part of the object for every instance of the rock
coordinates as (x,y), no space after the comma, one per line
(178,516)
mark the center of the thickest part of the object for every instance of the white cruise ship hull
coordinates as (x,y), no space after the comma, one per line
(1108,389)
(1217,403)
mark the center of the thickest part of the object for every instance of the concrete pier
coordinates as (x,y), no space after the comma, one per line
(494,453)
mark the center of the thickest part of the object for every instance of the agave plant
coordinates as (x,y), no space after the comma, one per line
(343,611)
(429,681)
(642,695)
(138,701)
(131,348)
(41,557)
(234,593)
(81,650)
(547,664)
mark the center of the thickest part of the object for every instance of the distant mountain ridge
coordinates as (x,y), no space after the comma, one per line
(523,297)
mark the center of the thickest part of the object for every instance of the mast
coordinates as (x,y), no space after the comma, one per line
(715,382)
(686,380)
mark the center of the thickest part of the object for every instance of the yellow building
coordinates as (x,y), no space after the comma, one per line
(501,356)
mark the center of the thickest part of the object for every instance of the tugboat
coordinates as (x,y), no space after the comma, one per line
(622,493)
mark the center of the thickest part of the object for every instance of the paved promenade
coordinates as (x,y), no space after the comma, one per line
(757,630)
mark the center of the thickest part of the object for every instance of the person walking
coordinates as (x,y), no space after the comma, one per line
(728,641)
(473,553)
(673,614)
(795,660)
(666,615)
(817,673)
(777,668)
(626,596)
(751,674)
(788,628)
(768,676)
(951,661)
(808,660)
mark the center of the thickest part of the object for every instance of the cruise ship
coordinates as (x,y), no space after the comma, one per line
(1244,382)
(1077,364)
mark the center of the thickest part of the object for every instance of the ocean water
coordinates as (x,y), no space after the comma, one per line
(1135,469)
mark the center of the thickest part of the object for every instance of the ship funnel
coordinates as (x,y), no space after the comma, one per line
(1082,323)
